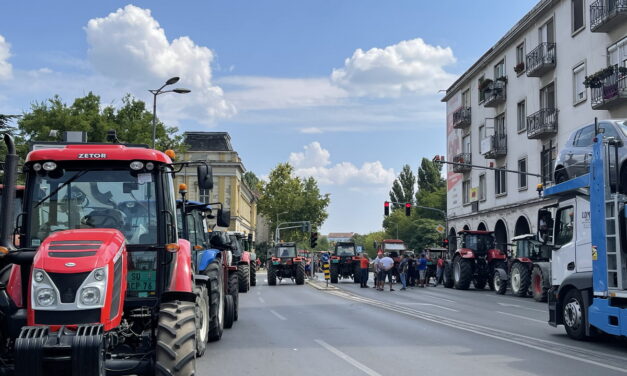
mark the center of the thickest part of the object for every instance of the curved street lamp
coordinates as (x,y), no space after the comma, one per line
(156,92)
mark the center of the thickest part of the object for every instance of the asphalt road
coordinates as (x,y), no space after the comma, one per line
(289,329)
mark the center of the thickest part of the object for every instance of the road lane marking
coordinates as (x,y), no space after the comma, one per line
(261,300)
(281,317)
(429,304)
(521,317)
(519,306)
(437,297)
(348,359)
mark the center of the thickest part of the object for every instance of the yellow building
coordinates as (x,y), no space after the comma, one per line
(228,172)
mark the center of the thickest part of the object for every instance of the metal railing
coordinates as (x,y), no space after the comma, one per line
(495,93)
(541,59)
(465,160)
(542,123)
(462,117)
(498,146)
(612,87)
(604,11)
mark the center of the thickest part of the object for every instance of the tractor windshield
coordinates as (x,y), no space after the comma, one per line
(394,246)
(523,248)
(479,242)
(345,250)
(75,199)
(286,252)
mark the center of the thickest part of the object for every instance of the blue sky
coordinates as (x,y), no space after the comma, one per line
(345,90)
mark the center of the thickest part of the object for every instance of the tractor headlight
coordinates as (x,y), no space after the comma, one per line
(46,297)
(99,274)
(38,276)
(49,166)
(90,296)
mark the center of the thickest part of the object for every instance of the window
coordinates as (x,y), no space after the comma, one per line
(577,15)
(564,223)
(481,92)
(522,116)
(500,181)
(499,69)
(546,32)
(547,96)
(482,187)
(466,98)
(579,91)
(466,191)
(617,53)
(499,124)
(466,144)
(520,53)
(522,178)
(204,195)
(546,162)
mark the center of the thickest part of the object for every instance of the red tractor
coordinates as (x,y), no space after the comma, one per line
(345,262)
(241,259)
(285,263)
(527,270)
(474,262)
(101,282)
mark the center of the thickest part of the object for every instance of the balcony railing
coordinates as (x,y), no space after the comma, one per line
(494,146)
(607,14)
(465,158)
(542,123)
(494,94)
(611,91)
(461,117)
(541,60)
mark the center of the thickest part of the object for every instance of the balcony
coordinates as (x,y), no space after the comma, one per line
(462,158)
(541,60)
(542,124)
(495,146)
(605,15)
(610,90)
(461,118)
(494,93)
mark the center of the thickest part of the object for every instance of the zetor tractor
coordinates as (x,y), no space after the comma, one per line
(475,261)
(345,262)
(527,269)
(285,263)
(101,284)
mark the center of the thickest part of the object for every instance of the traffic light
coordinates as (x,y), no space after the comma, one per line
(445,243)
(313,240)
(408,209)
(386,208)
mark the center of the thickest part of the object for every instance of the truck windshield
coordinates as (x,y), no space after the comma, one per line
(345,250)
(286,252)
(119,199)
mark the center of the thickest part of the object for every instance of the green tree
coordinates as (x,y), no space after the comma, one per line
(431,189)
(404,187)
(252,181)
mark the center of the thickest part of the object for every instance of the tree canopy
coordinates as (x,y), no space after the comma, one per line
(403,188)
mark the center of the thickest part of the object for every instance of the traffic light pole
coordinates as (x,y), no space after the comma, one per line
(428,208)
(296,224)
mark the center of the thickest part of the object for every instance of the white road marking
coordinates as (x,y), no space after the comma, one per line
(281,317)
(519,306)
(261,300)
(522,317)
(428,304)
(437,297)
(348,359)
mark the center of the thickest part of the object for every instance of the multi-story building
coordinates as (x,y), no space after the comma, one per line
(228,170)
(517,105)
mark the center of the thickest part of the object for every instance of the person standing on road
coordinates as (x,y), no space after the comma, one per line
(439,272)
(403,267)
(422,269)
(411,271)
(387,264)
(364,262)
(378,271)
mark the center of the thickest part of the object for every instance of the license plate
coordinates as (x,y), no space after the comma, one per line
(141,280)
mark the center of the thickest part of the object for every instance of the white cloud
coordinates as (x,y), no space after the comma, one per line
(316,162)
(411,66)
(6,69)
(311,130)
(130,47)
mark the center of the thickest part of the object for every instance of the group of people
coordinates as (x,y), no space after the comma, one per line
(411,270)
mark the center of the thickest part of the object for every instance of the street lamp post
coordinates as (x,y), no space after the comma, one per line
(156,92)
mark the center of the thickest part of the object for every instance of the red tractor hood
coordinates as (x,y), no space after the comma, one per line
(75,251)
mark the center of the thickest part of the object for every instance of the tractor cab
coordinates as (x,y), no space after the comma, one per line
(528,247)
(284,251)
(345,250)
(479,242)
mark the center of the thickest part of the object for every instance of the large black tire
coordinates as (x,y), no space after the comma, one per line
(253,276)
(229,311)
(462,273)
(243,274)
(538,284)
(574,314)
(300,273)
(449,282)
(500,286)
(520,279)
(176,339)
(357,274)
(271,275)
(202,318)
(234,292)
(480,283)
(335,271)
(496,265)
(216,301)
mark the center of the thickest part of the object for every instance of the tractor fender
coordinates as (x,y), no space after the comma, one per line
(245,259)
(545,267)
(502,274)
(466,253)
(181,279)
(200,278)
(206,257)
(496,254)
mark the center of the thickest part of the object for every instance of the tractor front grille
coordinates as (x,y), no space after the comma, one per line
(68,284)
(85,316)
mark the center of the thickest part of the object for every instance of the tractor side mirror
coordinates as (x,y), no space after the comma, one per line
(224,218)
(205,176)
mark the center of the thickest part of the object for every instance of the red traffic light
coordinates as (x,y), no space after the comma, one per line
(386,208)
(408,209)
(408,205)
(386,204)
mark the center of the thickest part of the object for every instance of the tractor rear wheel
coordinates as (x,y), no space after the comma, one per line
(234,292)
(253,276)
(300,273)
(520,279)
(202,318)
(229,311)
(216,301)
(538,285)
(500,286)
(462,273)
(176,339)
(334,272)
(271,276)
(449,281)
(243,274)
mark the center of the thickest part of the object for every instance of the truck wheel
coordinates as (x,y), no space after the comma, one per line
(538,285)
(574,314)
(271,276)
(253,276)
(229,311)
(334,272)
(462,273)
(520,279)
(300,274)
(176,339)
(234,292)
(202,319)
(216,301)
(449,281)
(243,274)
(500,286)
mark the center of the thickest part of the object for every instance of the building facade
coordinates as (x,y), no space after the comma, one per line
(228,171)
(517,105)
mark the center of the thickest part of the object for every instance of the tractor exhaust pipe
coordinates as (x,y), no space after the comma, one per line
(8,194)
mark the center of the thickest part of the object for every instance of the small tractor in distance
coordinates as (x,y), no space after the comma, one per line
(285,263)
(345,262)
(393,248)
(527,269)
(241,259)
(474,262)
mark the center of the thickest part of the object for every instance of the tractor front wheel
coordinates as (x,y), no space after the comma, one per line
(449,281)
(271,276)
(216,301)
(234,292)
(357,274)
(500,286)
(300,273)
(243,274)
(520,279)
(334,273)
(176,339)
(538,285)
(253,276)
(229,311)
(202,318)
(462,273)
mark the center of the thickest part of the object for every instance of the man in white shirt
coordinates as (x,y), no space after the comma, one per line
(385,265)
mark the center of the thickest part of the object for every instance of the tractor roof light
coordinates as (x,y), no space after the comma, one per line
(137,165)
(170,153)
(49,166)
(150,166)
(182,188)
(37,167)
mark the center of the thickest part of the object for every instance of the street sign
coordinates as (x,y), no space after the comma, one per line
(325,257)
(440,229)
(360,248)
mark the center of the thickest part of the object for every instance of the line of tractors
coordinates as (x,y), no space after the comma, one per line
(106,270)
